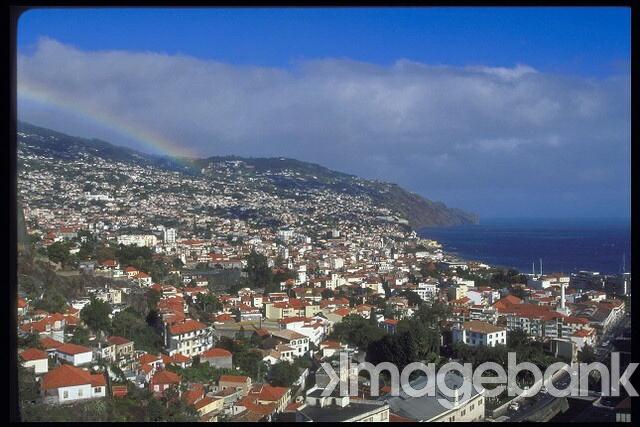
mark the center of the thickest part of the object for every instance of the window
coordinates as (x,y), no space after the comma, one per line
(65,394)
(479,401)
(464,411)
(97,389)
(80,393)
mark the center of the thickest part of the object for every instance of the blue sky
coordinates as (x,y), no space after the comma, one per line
(502,111)
(577,40)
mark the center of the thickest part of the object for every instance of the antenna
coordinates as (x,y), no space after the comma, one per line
(624,266)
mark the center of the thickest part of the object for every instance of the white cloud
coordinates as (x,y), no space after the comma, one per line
(374,121)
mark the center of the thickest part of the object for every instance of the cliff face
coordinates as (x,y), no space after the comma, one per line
(283,173)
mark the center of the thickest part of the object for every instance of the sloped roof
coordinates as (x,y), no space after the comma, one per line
(33,354)
(68,375)
(118,340)
(165,377)
(72,349)
(187,326)
(215,353)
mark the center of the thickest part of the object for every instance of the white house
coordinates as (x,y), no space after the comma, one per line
(36,359)
(476,332)
(74,354)
(315,328)
(67,383)
(298,342)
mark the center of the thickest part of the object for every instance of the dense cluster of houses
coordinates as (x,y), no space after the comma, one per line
(345,254)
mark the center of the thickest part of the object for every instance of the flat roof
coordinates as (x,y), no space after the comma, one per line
(340,414)
(426,407)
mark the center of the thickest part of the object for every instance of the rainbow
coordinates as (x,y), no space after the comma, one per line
(104,118)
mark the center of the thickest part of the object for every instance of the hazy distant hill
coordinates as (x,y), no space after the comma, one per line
(419,211)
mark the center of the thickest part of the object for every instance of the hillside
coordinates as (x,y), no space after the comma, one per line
(289,176)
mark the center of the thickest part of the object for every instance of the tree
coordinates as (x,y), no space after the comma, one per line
(328,293)
(153,297)
(52,301)
(59,252)
(258,272)
(250,361)
(130,324)
(432,314)
(32,340)
(283,374)
(587,355)
(96,315)
(80,336)
(518,292)
(209,303)
(357,331)
(517,338)
(28,389)
(412,297)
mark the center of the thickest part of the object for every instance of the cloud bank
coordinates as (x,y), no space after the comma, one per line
(498,141)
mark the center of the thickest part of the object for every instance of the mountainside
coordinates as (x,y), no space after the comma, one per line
(277,175)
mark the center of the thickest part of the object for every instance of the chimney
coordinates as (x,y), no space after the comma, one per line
(540,266)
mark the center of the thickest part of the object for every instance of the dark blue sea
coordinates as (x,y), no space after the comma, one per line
(565,245)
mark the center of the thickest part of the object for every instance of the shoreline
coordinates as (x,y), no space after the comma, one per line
(552,241)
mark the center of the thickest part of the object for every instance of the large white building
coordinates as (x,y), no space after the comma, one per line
(476,332)
(427,291)
(189,338)
(148,240)
(428,408)
(169,236)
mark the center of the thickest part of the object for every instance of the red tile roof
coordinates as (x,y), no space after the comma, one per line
(165,377)
(215,353)
(293,320)
(187,326)
(33,354)
(204,402)
(481,327)
(180,358)
(72,349)
(67,376)
(342,312)
(193,394)
(233,378)
(507,302)
(267,393)
(48,343)
(224,317)
(118,340)
(98,380)
(147,358)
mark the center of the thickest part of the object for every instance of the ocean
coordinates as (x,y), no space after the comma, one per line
(565,245)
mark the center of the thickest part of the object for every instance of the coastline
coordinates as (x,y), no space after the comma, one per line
(565,245)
